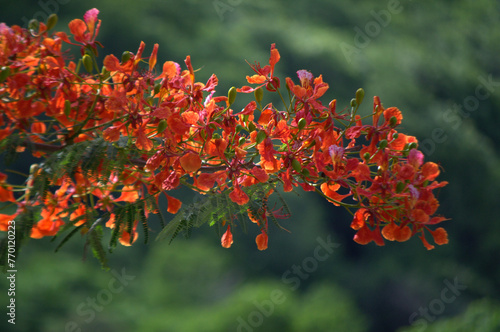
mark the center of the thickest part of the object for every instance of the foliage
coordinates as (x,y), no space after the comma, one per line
(481,316)
(127,129)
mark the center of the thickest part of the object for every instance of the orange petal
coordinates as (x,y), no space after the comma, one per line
(129,194)
(440,236)
(393,111)
(261,241)
(260,174)
(389,230)
(363,236)
(190,162)
(111,63)
(152,58)
(125,238)
(112,134)
(143,142)
(359,219)
(170,69)
(275,56)
(239,196)
(78,28)
(173,204)
(265,117)
(256,79)
(430,171)
(403,234)
(227,238)
(426,244)
(6,194)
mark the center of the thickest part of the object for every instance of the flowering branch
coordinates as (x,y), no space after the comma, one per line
(132,129)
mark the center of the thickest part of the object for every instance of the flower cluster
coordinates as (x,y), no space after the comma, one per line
(178,132)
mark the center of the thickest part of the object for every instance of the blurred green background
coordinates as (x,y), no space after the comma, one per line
(438,61)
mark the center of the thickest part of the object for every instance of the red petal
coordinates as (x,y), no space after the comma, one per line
(227,238)
(190,162)
(111,63)
(239,196)
(143,142)
(363,236)
(173,204)
(440,236)
(78,28)
(261,241)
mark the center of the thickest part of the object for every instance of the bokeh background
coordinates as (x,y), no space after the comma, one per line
(438,61)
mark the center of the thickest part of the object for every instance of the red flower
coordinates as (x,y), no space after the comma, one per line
(264,75)
(84,32)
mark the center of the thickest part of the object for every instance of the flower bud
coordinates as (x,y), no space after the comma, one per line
(241,141)
(366,156)
(67,107)
(239,128)
(259,94)
(231,95)
(251,127)
(400,186)
(87,62)
(296,165)
(51,21)
(412,145)
(157,88)
(33,168)
(104,73)
(4,73)
(33,24)
(360,94)
(261,136)
(393,121)
(162,125)
(302,123)
(353,103)
(383,144)
(126,56)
